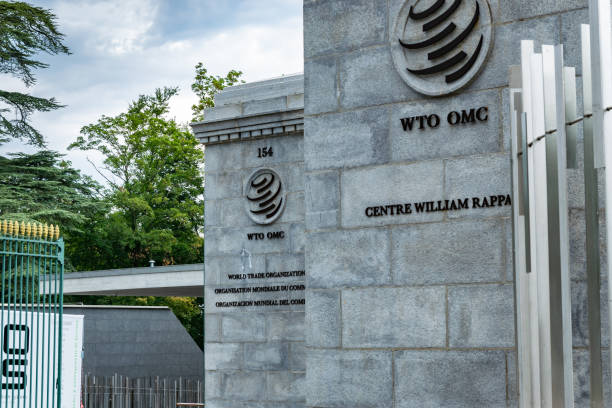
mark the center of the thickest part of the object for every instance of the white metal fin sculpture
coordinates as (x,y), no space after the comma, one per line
(540,156)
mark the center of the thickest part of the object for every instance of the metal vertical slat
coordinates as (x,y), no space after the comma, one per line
(5,258)
(526,52)
(601,80)
(23,314)
(554,234)
(13,319)
(53,296)
(541,227)
(562,153)
(571,116)
(519,242)
(592,228)
(560,292)
(60,261)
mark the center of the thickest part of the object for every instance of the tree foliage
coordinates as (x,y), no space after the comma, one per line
(154,169)
(25,31)
(44,187)
(207,86)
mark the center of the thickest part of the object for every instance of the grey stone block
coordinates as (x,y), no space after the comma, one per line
(320,85)
(347,139)
(323,318)
(348,258)
(217,403)
(322,220)
(378,186)
(297,356)
(243,327)
(286,386)
(297,238)
(231,241)
(570,36)
(481,176)
(264,106)
(243,386)
(506,117)
(505,49)
(518,10)
(575,188)
(368,77)
(213,329)
(287,326)
(223,356)
(446,140)
(432,379)
(446,253)
(322,199)
(349,379)
(260,90)
(577,231)
(219,268)
(227,212)
(580,314)
(267,356)
(224,112)
(512,380)
(334,26)
(213,384)
(285,263)
(288,296)
(508,254)
(227,184)
(288,150)
(222,157)
(295,101)
(481,316)
(582,381)
(394,317)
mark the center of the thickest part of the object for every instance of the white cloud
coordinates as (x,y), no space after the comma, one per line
(115,27)
(117,64)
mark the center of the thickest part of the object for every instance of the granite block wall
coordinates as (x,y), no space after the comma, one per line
(416,309)
(254,354)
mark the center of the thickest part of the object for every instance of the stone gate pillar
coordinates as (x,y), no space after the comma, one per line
(254,234)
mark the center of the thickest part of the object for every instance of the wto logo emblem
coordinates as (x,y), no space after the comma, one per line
(439,46)
(265,196)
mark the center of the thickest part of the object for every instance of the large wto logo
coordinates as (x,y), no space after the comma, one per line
(265,196)
(439,46)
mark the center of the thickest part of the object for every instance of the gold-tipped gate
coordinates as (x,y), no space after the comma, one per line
(29,230)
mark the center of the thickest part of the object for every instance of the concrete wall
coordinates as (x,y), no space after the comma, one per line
(137,342)
(416,310)
(254,353)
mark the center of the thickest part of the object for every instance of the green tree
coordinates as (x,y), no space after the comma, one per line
(207,86)
(44,187)
(25,30)
(154,170)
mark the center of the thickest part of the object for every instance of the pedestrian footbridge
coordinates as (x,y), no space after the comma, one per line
(175,280)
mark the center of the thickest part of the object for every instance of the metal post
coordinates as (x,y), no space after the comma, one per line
(520,241)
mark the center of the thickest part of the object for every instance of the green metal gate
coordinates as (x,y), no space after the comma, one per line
(31,319)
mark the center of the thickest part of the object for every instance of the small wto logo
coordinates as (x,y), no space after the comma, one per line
(439,46)
(265,196)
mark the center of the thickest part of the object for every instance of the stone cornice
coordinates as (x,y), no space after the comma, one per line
(270,124)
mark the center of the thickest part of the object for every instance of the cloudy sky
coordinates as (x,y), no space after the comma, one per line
(124,48)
